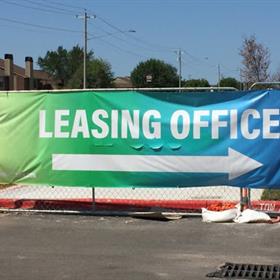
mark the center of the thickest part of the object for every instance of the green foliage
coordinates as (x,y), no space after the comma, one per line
(66,67)
(162,74)
(196,83)
(270,194)
(230,82)
(99,75)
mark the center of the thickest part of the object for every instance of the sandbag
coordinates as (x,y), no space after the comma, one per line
(252,216)
(209,216)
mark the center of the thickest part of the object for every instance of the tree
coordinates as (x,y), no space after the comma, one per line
(271,194)
(229,82)
(196,83)
(99,75)
(154,73)
(275,77)
(255,60)
(66,67)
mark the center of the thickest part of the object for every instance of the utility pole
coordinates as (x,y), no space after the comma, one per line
(85,17)
(219,76)
(241,82)
(180,67)
(179,58)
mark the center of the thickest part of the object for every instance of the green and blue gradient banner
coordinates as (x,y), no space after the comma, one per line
(140,139)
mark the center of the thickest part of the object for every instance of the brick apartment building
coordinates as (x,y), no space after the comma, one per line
(14,77)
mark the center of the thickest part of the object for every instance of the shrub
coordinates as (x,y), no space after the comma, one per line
(269,194)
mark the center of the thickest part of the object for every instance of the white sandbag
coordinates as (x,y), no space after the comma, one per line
(252,216)
(219,216)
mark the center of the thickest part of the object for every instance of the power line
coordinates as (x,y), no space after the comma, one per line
(114,35)
(151,47)
(50,6)
(110,34)
(166,49)
(67,5)
(40,26)
(155,47)
(230,70)
(102,19)
(108,23)
(26,29)
(59,8)
(34,8)
(123,50)
(193,57)
(201,61)
(65,30)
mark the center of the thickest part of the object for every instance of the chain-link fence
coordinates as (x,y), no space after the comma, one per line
(119,199)
(94,199)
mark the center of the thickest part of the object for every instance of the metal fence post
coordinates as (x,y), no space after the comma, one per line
(93,200)
(241,198)
(249,198)
(244,198)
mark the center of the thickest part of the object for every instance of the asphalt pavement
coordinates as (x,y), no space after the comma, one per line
(36,246)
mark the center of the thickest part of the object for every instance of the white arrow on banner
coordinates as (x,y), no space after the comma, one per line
(235,163)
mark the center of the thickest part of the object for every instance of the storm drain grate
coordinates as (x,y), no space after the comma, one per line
(247,271)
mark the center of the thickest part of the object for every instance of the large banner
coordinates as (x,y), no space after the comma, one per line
(140,139)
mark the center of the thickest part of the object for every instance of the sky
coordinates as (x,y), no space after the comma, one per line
(209,33)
